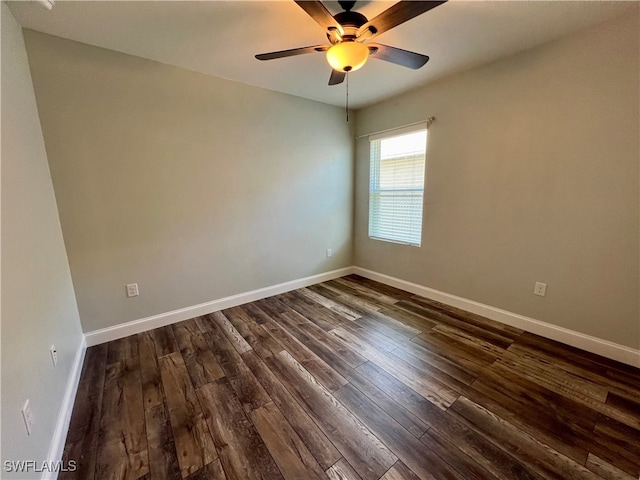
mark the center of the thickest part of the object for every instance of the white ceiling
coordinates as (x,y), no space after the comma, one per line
(220,38)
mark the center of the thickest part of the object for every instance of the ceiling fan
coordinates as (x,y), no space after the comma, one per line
(348,30)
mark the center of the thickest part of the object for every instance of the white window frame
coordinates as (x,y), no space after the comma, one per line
(402,232)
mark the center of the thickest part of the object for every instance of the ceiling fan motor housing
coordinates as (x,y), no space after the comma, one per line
(351,22)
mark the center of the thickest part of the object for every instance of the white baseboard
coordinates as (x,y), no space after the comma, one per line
(149,323)
(589,343)
(621,353)
(64,417)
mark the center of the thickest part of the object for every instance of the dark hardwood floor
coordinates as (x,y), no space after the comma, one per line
(351,379)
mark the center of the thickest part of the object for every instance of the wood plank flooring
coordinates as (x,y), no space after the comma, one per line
(352,380)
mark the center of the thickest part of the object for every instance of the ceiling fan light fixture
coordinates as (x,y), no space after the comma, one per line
(347,56)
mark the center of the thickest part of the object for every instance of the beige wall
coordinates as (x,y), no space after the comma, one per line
(532,175)
(38,303)
(194,187)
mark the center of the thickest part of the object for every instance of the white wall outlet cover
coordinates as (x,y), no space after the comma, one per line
(132,290)
(540,289)
(329,252)
(27,416)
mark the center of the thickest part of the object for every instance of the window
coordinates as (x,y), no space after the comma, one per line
(396,185)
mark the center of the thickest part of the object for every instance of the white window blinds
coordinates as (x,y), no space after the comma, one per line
(396,185)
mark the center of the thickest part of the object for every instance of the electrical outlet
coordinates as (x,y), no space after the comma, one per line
(27,416)
(132,290)
(54,355)
(329,252)
(540,289)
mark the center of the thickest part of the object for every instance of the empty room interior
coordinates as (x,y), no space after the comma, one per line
(320,240)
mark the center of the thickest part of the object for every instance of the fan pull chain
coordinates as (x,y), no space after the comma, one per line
(347,101)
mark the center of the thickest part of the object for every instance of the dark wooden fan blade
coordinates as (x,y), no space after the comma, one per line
(397,55)
(292,52)
(395,15)
(336,77)
(320,14)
